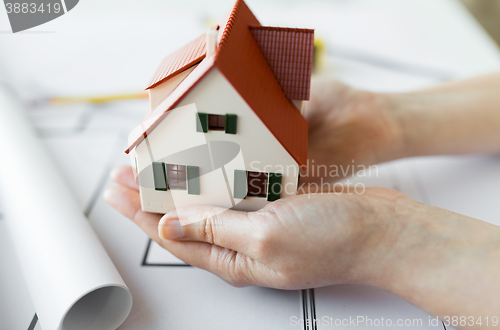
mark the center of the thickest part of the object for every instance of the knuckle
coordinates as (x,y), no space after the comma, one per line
(234,279)
(267,233)
(263,241)
(208,230)
(231,267)
(208,227)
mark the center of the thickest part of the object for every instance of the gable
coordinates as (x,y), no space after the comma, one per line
(241,61)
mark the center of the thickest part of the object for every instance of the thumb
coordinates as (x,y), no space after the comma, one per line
(230,229)
(219,240)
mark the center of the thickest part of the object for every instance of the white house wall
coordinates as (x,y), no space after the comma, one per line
(160,92)
(259,150)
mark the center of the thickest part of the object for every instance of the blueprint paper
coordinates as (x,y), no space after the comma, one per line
(71,280)
(122,50)
(167,293)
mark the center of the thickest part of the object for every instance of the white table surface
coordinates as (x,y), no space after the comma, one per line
(114,46)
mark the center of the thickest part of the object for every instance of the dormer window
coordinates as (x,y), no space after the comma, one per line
(211,122)
(216,122)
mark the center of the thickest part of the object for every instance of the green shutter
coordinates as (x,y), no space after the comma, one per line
(231,123)
(193,180)
(159,176)
(202,122)
(274,186)
(298,181)
(240,184)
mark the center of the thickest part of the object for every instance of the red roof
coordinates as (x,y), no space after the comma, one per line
(240,59)
(289,52)
(179,61)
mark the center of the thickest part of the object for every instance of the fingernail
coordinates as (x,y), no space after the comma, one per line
(109,196)
(113,174)
(170,227)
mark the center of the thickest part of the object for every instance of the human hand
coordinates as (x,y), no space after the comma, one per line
(349,127)
(434,258)
(298,242)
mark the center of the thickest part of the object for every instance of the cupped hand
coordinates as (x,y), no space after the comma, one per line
(303,241)
(349,127)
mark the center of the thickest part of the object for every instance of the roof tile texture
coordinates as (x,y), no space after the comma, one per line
(240,59)
(289,52)
(180,60)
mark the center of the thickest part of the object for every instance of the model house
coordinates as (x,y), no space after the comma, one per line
(225,126)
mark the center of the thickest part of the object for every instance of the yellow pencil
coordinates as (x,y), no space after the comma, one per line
(97,99)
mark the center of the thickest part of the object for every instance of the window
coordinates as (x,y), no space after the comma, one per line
(257,184)
(176,176)
(216,122)
(206,122)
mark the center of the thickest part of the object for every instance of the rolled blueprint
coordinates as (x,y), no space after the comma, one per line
(72,281)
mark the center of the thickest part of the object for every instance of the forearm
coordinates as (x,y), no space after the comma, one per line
(454,118)
(446,264)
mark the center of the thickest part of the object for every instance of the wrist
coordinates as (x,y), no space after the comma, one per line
(386,236)
(394,113)
(438,123)
(437,257)
(400,240)
(413,122)
(388,142)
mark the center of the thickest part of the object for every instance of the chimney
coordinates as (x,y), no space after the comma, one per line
(211,41)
